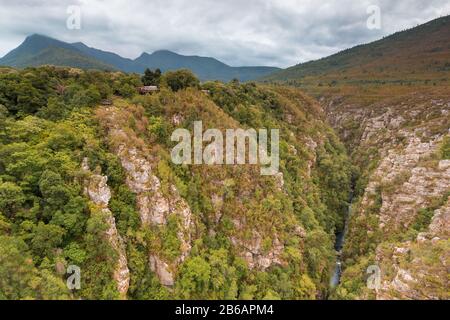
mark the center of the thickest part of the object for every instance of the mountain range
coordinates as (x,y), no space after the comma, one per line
(40,50)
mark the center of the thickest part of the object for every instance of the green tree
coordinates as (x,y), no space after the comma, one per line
(306,289)
(55,110)
(11,198)
(75,254)
(445,148)
(271,295)
(151,78)
(158,129)
(98,268)
(46,238)
(86,98)
(29,99)
(126,90)
(181,79)
(20,279)
(194,278)
(53,189)
(3,113)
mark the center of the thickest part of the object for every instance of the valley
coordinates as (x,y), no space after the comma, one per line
(87,176)
(339,245)
(389,102)
(401,195)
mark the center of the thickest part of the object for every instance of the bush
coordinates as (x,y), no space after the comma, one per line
(445,148)
(11,197)
(151,78)
(180,79)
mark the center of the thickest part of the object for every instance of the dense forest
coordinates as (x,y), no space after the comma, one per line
(228,233)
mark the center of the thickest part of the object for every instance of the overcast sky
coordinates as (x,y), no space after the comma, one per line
(238,32)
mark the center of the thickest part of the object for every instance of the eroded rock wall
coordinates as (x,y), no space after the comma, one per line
(153,204)
(96,188)
(397,145)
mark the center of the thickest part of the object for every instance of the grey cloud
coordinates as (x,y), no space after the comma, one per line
(238,32)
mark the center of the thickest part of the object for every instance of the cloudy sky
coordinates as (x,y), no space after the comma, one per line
(238,32)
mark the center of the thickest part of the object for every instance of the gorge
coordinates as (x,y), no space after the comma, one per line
(87,178)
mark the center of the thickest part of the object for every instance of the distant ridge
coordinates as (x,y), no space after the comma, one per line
(422,52)
(39,49)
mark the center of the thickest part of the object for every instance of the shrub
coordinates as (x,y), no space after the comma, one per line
(445,148)
(151,78)
(180,79)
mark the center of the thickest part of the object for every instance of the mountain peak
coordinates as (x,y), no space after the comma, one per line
(40,41)
(143,55)
(165,51)
(162,52)
(37,36)
(79,44)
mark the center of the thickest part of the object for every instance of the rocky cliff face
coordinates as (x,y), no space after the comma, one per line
(418,269)
(253,253)
(96,188)
(402,192)
(155,207)
(266,223)
(154,204)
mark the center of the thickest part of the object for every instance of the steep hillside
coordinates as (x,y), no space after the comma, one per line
(400,215)
(40,50)
(31,46)
(63,57)
(94,186)
(416,55)
(389,102)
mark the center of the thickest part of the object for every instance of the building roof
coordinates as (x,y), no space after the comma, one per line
(149,88)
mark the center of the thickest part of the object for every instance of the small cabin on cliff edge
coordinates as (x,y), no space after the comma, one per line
(147,89)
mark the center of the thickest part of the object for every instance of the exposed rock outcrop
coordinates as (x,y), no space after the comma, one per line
(421,185)
(419,267)
(154,208)
(154,204)
(96,188)
(254,254)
